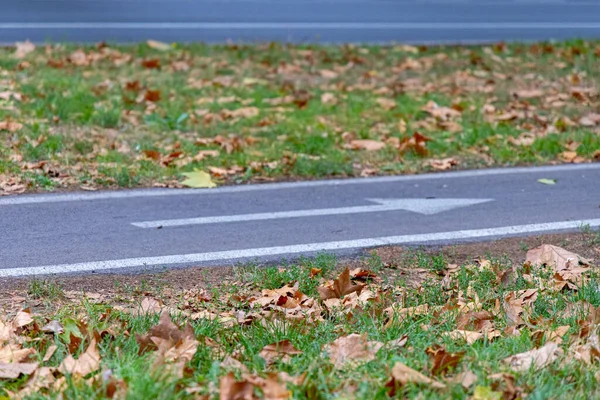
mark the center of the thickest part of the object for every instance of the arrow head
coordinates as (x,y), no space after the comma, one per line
(427,206)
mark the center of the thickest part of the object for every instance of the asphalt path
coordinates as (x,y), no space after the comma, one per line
(154,228)
(412,21)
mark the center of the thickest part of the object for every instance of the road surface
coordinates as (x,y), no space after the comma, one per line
(412,21)
(134,230)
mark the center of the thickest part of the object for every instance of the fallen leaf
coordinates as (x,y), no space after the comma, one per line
(49,352)
(555,257)
(339,287)
(537,358)
(547,181)
(385,103)
(443,164)
(10,126)
(280,350)
(328,99)
(443,360)
(53,327)
(402,374)
(365,144)
(232,389)
(23,318)
(13,370)
(87,363)
(273,389)
(153,63)
(486,393)
(469,336)
(158,45)
(198,179)
(353,348)
(23,48)
(528,94)
(466,379)
(152,95)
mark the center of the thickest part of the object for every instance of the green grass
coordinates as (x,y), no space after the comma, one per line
(119,350)
(91,124)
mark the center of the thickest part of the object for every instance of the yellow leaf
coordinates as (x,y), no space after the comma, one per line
(198,179)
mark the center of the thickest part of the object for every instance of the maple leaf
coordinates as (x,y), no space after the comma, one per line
(339,287)
(87,363)
(10,126)
(151,64)
(403,374)
(365,144)
(385,103)
(536,359)
(443,164)
(23,48)
(553,256)
(198,179)
(280,350)
(443,360)
(13,370)
(232,389)
(353,348)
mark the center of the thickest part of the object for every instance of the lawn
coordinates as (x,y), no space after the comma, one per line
(110,116)
(410,325)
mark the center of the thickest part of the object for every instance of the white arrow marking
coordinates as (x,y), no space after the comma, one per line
(306,248)
(422,206)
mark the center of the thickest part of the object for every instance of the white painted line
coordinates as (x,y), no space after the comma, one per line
(302,25)
(126,194)
(422,206)
(199,258)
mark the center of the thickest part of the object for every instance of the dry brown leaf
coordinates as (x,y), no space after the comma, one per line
(402,374)
(49,352)
(280,350)
(466,379)
(353,348)
(328,99)
(365,144)
(53,327)
(396,314)
(87,363)
(23,318)
(10,126)
(273,389)
(23,48)
(166,334)
(537,358)
(528,94)
(443,164)
(515,304)
(385,103)
(13,370)
(14,353)
(443,360)
(231,389)
(555,257)
(469,336)
(475,321)
(339,287)
(79,58)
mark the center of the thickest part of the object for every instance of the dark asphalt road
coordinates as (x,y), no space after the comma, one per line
(298,20)
(88,229)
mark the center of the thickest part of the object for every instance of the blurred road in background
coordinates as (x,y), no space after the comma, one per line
(413,21)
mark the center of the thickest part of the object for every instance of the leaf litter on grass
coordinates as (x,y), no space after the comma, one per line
(463,331)
(88,116)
